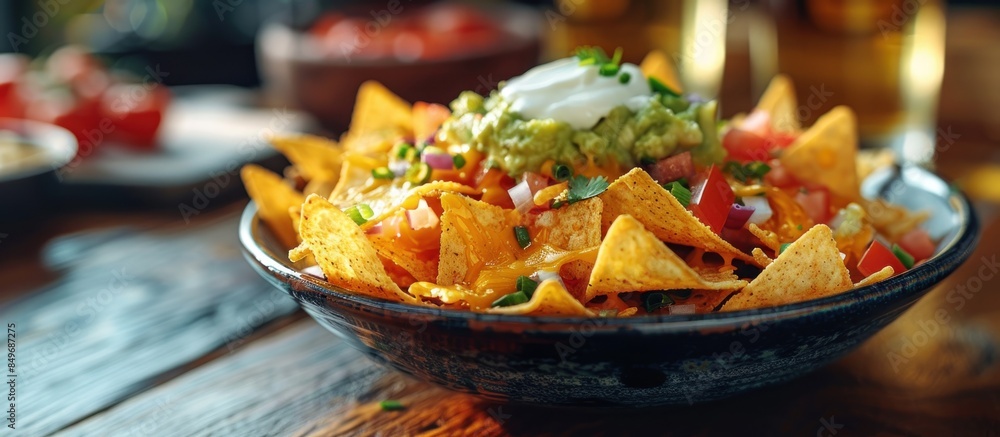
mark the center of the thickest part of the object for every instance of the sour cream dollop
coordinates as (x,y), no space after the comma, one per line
(576,94)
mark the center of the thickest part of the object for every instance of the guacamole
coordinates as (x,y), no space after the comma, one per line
(662,126)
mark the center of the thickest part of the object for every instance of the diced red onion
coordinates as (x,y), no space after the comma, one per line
(422,217)
(314,271)
(399,167)
(439,161)
(762,210)
(523,199)
(672,168)
(738,216)
(681,309)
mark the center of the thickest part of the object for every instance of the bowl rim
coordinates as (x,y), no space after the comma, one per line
(956,251)
(60,149)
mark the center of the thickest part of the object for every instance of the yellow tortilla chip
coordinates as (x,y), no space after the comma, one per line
(574,227)
(633,259)
(657,64)
(768,238)
(316,158)
(878,276)
(472,232)
(378,113)
(273,198)
(399,198)
(779,101)
(809,268)
(343,252)
(827,154)
(761,257)
(422,268)
(892,221)
(637,194)
(549,299)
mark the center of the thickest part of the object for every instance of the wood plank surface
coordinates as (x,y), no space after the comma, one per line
(127,308)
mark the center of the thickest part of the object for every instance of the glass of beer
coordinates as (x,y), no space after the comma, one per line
(883,58)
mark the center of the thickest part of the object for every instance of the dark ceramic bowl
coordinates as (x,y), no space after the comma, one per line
(326,87)
(634,362)
(24,191)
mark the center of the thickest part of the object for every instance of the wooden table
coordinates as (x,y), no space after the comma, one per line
(141,324)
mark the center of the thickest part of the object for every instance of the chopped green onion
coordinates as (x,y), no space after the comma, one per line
(391,405)
(680,192)
(645,160)
(382,173)
(684,183)
(655,300)
(523,238)
(556,204)
(799,226)
(561,172)
(403,151)
(624,78)
(617,57)
(510,299)
(526,285)
(608,70)
(783,247)
(418,173)
(659,88)
(904,256)
(459,161)
(358,212)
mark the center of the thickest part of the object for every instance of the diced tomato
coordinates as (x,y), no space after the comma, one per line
(782,139)
(876,258)
(12,68)
(672,168)
(136,112)
(816,203)
(427,118)
(918,243)
(79,117)
(746,146)
(779,176)
(711,198)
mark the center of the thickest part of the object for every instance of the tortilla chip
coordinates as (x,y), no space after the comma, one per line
(892,221)
(549,299)
(827,154)
(376,108)
(809,268)
(779,101)
(343,252)
(423,268)
(633,259)
(316,158)
(761,257)
(403,197)
(657,64)
(574,227)
(637,194)
(273,198)
(469,236)
(878,276)
(768,238)
(427,118)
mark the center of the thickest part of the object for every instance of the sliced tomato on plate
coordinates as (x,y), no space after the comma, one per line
(918,243)
(876,258)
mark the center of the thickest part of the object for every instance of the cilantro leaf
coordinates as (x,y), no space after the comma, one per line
(583,188)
